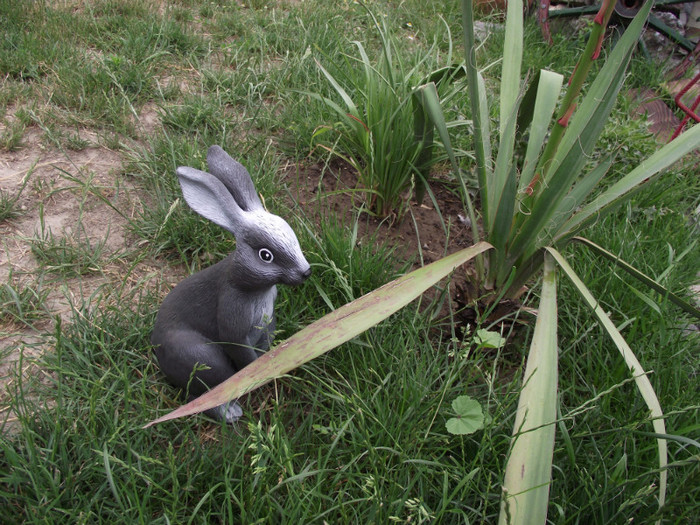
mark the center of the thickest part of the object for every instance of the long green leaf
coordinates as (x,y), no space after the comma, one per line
(581,190)
(548,90)
(485,127)
(502,224)
(477,102)
(529,468)
(342,114)
(328,332)
(592,114)
(423,136)
(651,283)
(643,384)
(512,62)
(427,95)
(352,108)
(577,80)
(502,172)
(624,188)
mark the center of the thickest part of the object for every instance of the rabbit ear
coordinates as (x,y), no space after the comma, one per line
(235,177)
(208,196)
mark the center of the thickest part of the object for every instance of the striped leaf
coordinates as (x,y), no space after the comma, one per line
(529,468)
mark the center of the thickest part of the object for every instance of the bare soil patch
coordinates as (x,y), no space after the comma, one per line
(69,195)
(434,232)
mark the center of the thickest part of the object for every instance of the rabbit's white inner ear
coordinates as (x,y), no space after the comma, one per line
(207,195)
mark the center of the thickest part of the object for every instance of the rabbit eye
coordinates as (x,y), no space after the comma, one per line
(266,255)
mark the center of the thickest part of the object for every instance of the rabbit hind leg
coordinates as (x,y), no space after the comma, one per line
(196,364)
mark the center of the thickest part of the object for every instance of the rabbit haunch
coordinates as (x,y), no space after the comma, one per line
(217,321)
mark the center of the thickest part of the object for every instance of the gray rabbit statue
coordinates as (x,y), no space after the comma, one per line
(218,320)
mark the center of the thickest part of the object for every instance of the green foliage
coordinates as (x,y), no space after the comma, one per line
(343,266)
(357,435)
(9,206)
(381,127)
(22,302)
(32,41)
(488,339)
(11,137)
(71,254)
(469,416)
(536,202)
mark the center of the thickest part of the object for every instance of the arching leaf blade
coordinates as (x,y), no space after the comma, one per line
(332,330)
(639,375)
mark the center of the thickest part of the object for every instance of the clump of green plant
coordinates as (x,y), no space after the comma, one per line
(9,207)
(381,127)
(9,203)
(69,255)
(21,302)
(11,137)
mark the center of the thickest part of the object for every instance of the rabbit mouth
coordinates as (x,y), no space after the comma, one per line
(298,278)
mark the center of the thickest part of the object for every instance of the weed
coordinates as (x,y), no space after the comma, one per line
(381,128)
(22,302)
(70,255)
(9,206)
(11,137)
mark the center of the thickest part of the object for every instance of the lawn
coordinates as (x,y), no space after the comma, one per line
(101,101)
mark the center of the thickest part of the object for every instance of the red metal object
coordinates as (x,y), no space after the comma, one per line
(543,19)
(689,111)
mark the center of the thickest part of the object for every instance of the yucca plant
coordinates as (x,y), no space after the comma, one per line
(531,207)
(535,204)
(381,128)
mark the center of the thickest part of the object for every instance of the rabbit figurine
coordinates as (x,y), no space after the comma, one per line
(217,321)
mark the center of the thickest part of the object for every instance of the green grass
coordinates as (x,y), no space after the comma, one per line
(22,302)
(359,434)
(9,206)
(70,253)
(614,428)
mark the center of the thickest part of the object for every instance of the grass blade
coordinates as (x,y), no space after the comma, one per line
(328,332)
(642,381)
(339,89)
(427,96)
(529,468)
(424,137)
(651,283)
